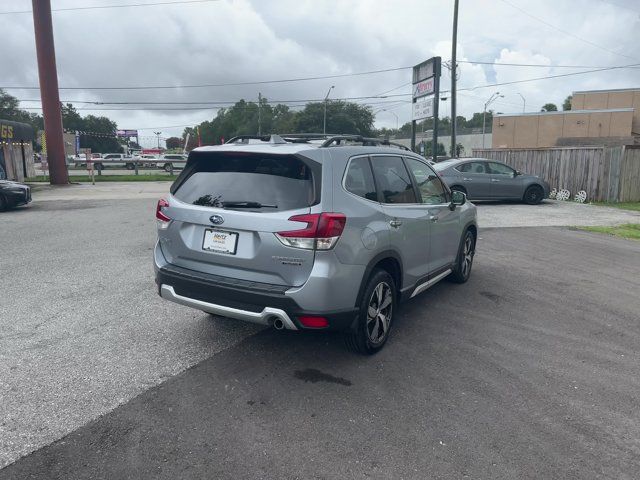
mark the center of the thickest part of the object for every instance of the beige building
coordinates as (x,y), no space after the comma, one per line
(610,99)
(597,117)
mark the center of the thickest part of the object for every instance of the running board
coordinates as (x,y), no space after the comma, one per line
(430,283)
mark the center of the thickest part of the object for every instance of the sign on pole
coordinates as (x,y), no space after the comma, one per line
(423,108)
(426,95)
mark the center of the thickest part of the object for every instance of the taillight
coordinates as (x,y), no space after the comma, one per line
(161,217)
(321,233)
(314,322)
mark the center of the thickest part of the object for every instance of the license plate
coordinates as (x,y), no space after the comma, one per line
(220,242)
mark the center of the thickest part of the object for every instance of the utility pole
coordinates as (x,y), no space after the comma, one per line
(454,149)
(259,113)
(158,135)
(48,75)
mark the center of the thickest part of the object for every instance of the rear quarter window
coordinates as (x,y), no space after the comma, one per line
(212,178)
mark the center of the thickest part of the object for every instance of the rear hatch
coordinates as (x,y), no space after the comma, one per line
(226,207)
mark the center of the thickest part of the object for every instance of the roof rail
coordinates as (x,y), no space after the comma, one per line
(262,138)
(337,139)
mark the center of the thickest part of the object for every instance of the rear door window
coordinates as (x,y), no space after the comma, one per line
(393,179)
(359,179)
(473,167)
(248,181)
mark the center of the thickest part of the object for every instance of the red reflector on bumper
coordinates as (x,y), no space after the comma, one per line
(314,322)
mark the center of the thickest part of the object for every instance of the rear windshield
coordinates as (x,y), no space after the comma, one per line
(246,180)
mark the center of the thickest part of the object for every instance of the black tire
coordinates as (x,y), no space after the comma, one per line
(458,188)
(168,167)
(464,260)
(130,166)
(533,195)
(368,338)
(99,167)
(4,205)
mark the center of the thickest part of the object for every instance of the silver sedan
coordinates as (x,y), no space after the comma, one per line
(483,179)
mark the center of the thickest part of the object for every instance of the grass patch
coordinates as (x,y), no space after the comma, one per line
(154,177)
(635,206)
(628,230)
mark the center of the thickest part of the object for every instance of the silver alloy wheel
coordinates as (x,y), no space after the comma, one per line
(467,256)
(379,313)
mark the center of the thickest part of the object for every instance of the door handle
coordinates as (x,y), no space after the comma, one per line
(466,179)
(495,180)
(395,223)
(433,218)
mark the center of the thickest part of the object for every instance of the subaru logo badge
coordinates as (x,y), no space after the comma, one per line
(216,219)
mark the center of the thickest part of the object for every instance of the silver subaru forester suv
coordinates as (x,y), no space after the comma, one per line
(307,233)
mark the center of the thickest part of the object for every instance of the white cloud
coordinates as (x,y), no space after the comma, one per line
(243,40)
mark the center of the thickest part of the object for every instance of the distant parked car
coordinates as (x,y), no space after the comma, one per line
(483,179)
(172,161)
(13,194)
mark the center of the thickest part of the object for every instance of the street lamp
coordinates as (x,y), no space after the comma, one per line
(324,123)
(158,135)
(524,103)
(395,115)
(492,98)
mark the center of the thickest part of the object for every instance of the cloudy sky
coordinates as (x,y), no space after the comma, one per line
(241,41)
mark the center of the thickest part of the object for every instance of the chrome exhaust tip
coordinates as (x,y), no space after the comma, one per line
(278,324)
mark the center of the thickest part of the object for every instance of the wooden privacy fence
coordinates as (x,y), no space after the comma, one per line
(610,174)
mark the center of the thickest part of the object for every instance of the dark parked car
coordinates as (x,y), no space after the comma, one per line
(13,194)
(483,179)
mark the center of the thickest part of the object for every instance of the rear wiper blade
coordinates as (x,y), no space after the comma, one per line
(247,205)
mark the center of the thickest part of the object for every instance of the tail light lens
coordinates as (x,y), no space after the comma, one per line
(314,322)
(321,233)
(161,217)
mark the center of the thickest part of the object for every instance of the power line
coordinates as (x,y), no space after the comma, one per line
(304,79)
(589,42)
(505,64)
(221,104)
(548,77)
(236,84)
(100,7)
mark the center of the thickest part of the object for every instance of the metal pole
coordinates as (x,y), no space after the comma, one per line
(484,118)
(413,135)
(259,113)
(454,148)
(436,104)
(524,102)
(48,75)
(324,125)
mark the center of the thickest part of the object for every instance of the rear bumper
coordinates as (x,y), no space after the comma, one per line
(243,300)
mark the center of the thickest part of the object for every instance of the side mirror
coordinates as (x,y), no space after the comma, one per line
(457,199)
(517,172)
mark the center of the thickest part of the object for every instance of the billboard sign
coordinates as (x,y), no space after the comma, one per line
(423,108)
(424,70)
(424,87)
(127,133)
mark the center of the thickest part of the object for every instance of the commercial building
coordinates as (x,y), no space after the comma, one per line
(602,117)
(16,151)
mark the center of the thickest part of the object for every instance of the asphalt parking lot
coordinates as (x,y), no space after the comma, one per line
(528,370)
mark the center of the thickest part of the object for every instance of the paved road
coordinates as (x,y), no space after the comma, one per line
(490,214)
(528,371)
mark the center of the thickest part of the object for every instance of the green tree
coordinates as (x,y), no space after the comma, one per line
(10,110)
(566,105)
(549,107)
(342,117)
(174,142)
(100,135)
